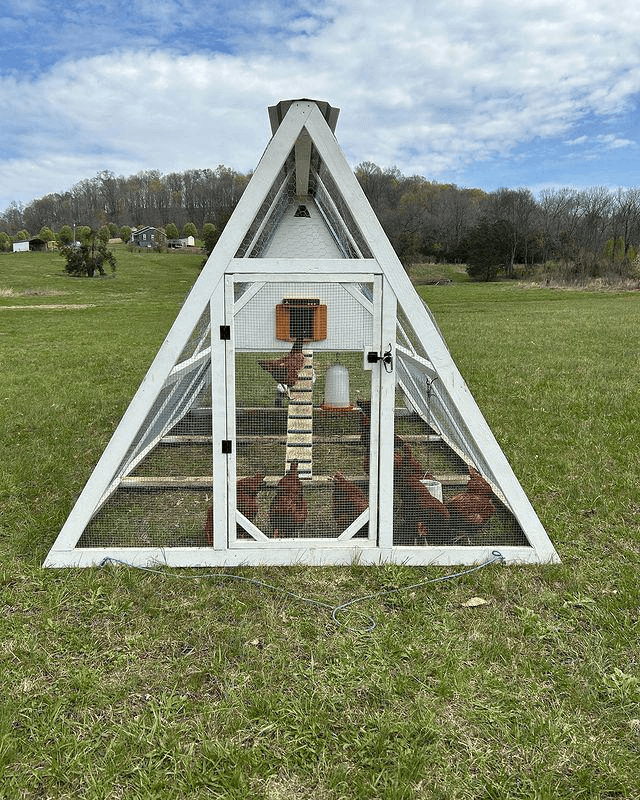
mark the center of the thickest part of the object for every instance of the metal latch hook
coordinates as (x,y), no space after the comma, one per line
(386,358)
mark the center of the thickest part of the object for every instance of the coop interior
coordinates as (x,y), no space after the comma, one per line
(303,413)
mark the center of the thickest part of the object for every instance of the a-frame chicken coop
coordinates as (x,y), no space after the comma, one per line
(304,408)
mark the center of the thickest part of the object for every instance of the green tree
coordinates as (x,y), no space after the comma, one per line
(5,241)
(487,249)
(89,257)
(84,233)
(210,236)
(510,213)
(104,234)
(614,249)
(171,231)
(125,233)
(46,234)
(65,235)
(21,236)
(189,229)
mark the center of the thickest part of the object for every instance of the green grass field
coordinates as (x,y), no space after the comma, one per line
(123,684)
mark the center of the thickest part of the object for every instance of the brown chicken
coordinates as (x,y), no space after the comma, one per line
(424,517)
(409,464)
(247,495)
(247,498)
(285,370)
(470,509)
(349,501)
(288,511)
(405,464)
(246,502)
(208,527)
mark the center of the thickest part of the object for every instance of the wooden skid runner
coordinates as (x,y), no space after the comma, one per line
(300,421)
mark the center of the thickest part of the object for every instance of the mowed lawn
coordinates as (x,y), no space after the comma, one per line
(119,683)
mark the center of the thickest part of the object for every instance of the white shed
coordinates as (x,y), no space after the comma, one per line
(21,247)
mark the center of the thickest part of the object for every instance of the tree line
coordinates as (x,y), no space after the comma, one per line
(194,197)
(574,233)
(570,233)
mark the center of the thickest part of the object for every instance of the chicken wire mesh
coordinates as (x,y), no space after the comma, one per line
(441,493)
(302,461)
(163,500)
(266,222)
(161,489)
(303,464)
(337,216)
(323,195)
(440,499)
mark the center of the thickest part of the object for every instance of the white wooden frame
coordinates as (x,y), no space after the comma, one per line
(302,122)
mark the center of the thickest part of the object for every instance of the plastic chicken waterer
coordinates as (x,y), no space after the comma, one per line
(336,387)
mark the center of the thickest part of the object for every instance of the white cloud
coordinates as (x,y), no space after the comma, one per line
(610,140)
(429,88)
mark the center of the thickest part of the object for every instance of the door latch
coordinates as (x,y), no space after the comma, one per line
(386,358)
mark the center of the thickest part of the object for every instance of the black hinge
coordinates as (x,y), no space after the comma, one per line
(226,446)
(225,333)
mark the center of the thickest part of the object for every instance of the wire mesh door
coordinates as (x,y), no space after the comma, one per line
(302,466)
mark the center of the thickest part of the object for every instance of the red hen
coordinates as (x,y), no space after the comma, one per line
(471,508)
(285,370)
(349,501)
(288,511)
(425,517)
(247,495)
(246,502)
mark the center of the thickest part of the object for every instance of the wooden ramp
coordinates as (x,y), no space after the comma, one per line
(300,421)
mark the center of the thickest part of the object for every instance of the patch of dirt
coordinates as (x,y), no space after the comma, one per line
(49,307)
(30,293)
(594,285)
(432,282)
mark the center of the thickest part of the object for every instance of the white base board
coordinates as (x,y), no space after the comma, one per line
(305,556)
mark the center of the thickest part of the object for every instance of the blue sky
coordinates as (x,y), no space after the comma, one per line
(481,93)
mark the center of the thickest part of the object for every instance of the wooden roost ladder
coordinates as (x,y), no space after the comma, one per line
(300,421)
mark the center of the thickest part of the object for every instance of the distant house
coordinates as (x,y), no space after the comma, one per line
(148,237)
(187,241)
